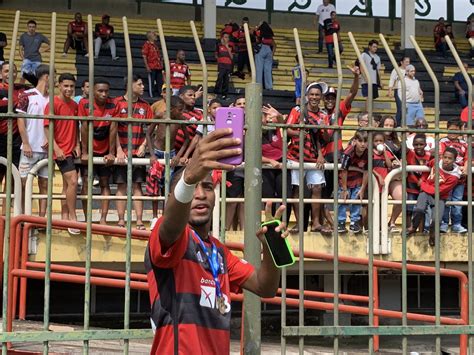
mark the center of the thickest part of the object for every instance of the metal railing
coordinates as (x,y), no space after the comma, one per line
(16,262)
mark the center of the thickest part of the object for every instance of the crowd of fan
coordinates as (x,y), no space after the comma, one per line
(110,139)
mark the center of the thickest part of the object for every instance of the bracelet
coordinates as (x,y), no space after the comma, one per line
(184,192)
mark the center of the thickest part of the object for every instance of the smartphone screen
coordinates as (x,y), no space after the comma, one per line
(282,255)
(232,117)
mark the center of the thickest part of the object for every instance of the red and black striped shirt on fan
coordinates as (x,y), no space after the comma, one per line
(350,159)
(141,109)
(310,151)
(414,177)
(194,115)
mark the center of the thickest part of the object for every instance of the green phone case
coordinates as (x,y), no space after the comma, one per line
(293,259)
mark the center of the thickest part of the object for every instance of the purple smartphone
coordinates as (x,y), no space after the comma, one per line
(232,117)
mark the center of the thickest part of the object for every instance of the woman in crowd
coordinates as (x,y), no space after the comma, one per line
(264,51)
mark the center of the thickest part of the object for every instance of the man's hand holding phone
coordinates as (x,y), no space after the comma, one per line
(208,153)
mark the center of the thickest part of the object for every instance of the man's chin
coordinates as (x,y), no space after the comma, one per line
(199,221)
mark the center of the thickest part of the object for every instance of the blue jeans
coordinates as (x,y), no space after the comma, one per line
(264,64)
(457,194)
(354,209)
(29,67)
(410,208)
(330,48)
(414,111)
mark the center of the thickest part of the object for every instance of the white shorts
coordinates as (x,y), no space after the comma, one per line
(26,164)
(313,177)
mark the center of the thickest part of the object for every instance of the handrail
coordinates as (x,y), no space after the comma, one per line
(17,187)
(115,279)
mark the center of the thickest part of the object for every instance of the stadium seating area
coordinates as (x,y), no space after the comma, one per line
(178,36)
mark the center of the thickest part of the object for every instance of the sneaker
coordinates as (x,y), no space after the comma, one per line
(64,54)
(341,227)
(355,228)
(457,228)
(426,231)
(79,180)
(153,222)
(95,182)
(443,228)
(86,55)
(115,58)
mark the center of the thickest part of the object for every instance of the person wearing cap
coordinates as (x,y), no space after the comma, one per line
(104,33)
(328,144)
(414,96)
(312,151)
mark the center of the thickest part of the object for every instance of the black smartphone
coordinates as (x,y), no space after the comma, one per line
(279,247)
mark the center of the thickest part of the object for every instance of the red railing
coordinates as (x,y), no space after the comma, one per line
(21,268)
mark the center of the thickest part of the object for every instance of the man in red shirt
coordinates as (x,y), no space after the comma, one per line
(153,64)
(191,275)
(104,141)
(76,35)
(142,110)
(180,73)
(66,144)
(311,150)
(104,38)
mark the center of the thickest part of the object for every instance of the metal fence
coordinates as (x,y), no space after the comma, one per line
(16,264)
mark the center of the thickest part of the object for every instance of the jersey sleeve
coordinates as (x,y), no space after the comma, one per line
(172,256)
(293,116)
(46,112)
(81,110)
(239,271)
(23,101)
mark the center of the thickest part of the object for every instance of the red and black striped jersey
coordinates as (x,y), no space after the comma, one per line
(328,136)
(350,158)
(18,89)
(101,128)
(224,57)
(460,146)
(194,115)
(183,294)
(414,177)
(141,109)
(179,73)
(310,137)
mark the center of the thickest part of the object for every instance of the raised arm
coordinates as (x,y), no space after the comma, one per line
(205,159)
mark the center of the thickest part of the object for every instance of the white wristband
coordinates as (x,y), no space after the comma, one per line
(183,192)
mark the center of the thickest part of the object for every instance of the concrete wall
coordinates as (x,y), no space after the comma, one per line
(186,13)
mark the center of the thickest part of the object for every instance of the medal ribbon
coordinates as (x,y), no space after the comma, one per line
(213,263)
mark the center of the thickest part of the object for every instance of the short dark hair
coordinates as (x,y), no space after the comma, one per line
(373,41)
(452,151)
(245,19)
(84,82)
(238,98)
(41,71)
(185,89)
(215,101)
(66,76)
(454,122)
(379,134)
(361,135)
(31,22)
(176,101)
(419,136)
(100,81)
(6,63)
(135,78)
(402,58)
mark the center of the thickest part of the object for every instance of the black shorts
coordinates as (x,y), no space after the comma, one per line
(375,90)
(99,170)
(236,178)
(66,165)
(16,152)
(138,174)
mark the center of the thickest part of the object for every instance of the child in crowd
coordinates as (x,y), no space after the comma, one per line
(298,79)
(211,116)
(352,182)
(420,123)
(66,145)
(157,144)
(454,140)
(449,175)
(382,158)
(418,155)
